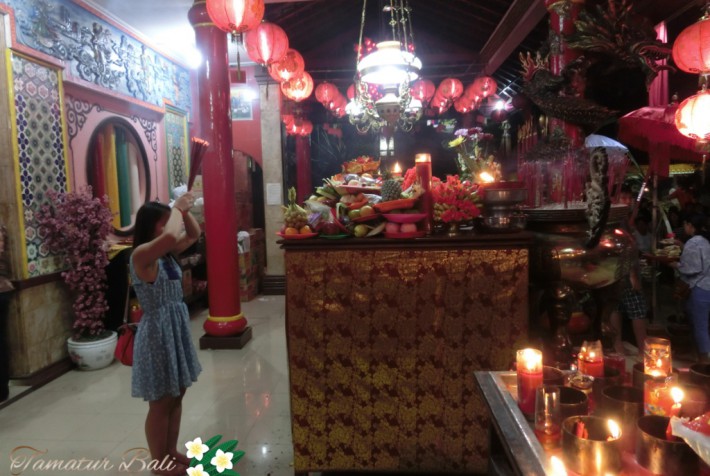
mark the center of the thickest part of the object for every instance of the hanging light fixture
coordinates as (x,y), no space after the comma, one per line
(235,17)
(393,66)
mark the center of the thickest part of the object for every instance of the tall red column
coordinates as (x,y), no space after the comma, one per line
(304,188)
(563,14)
(225,316)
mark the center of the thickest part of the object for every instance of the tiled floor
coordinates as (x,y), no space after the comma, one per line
(241,394)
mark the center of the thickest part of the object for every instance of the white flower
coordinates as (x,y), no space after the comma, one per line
(195,449)
(197,471)
(222,461)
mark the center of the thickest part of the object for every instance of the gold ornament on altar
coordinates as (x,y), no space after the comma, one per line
(473,160)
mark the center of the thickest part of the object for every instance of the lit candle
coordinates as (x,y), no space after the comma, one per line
(677,395)
(614,430)
(590,360)
(657,357)
(422,163)
(396,170)
(486,177)
(557,466)
(657,399)
(529,373)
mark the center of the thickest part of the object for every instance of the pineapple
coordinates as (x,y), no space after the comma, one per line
(294,216)
(391,190)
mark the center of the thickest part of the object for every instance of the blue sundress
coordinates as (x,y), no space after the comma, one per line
(164,358)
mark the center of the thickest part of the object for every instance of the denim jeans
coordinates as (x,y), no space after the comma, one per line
(698,307)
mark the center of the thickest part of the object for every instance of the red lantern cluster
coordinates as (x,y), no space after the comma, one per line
(289,66)
(235,16)
(266,44)
(423,90)
(693,116)
(296,125)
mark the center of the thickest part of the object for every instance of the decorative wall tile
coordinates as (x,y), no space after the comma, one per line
(40,144)
(177,143)
(100,53)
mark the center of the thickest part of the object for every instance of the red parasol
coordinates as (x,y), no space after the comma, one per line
(199,146)
(652,129)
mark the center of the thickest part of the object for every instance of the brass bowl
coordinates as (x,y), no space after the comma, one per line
(584,455)
(624,405)
(659,455)
(573,402)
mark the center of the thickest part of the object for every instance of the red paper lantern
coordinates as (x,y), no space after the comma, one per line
(693,116)
(463,105)
(450,88)
(235,16)
(338,102)
(691,50)
(306,128)
(298,88)
(485,86)
(423,89)
(266,44)
(289,66)
(287,119)
(351,91)
(326,92)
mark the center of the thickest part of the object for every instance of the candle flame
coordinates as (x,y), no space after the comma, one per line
(397,169)
(592,355)
(532,359)
(656,373)
(558,467)
(614,429)
(422,158)
(486,177)
(659,363)
(677,394)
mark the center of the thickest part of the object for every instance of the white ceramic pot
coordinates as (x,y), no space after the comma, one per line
(92,354)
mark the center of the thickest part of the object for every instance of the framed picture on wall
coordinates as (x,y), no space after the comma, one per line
(241,99)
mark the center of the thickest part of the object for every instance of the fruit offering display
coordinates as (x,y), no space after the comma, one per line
(361,165)
(296,218)
(456,200)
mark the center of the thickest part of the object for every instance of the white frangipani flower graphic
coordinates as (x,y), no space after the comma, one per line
(197,471)
(222,461)
(196,449)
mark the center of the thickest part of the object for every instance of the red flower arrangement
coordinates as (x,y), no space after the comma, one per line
(455,200)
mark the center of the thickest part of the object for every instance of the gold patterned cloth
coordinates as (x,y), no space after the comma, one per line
(382,346)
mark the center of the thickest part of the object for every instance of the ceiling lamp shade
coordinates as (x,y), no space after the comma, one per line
(693,116)
(291,65)
(298,88)
(235,16)
(266,44)
(691,50)
(389,65)
(392,66)
(326,92)
(423,90)
(451,89)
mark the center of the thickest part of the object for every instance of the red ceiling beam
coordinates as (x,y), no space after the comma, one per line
(520,19)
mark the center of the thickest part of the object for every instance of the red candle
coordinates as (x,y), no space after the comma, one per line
(396,170)
(591,363)
(529,372)
(677,395)
(423,166)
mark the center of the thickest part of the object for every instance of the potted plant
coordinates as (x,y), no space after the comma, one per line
(76,225)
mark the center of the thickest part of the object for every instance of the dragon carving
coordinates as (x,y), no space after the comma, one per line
(615,31)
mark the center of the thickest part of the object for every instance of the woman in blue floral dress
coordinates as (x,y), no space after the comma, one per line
(164,357)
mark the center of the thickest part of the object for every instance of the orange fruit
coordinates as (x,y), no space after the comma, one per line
(290,231)
(305,229)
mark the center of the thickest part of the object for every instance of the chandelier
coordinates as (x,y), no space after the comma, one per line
(393,66)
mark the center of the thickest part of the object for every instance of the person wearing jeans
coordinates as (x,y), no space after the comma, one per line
(694,269)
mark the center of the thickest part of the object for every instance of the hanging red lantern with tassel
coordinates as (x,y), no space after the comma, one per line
(691,50)
(298,88)
(326,92)
(693,116)
(235,16)
(291,65)
(350,93)
(450,88)
(266,44)
(423,89)
(463,105)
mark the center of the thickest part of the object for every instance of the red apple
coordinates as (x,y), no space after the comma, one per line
(408,228)
(392,228)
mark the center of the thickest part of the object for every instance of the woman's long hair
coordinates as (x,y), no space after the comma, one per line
(147,217)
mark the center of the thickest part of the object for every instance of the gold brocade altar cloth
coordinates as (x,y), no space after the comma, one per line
(383,341)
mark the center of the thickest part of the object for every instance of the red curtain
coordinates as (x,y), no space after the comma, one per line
(658,91)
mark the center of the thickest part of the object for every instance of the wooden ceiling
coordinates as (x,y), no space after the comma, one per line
(459,38)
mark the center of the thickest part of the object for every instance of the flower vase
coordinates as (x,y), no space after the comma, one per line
(454,229)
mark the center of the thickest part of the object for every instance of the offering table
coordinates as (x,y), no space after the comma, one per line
(383,337)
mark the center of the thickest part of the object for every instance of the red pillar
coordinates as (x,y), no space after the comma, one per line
(563,14)
(225,316)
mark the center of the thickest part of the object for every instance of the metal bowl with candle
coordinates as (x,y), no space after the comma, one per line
(594,452)
(500,207)
(657,454)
